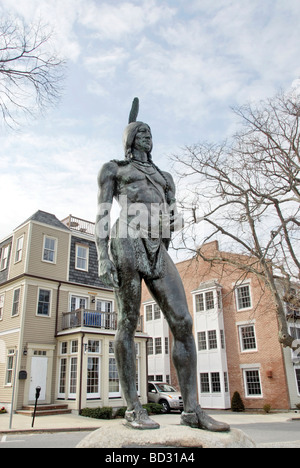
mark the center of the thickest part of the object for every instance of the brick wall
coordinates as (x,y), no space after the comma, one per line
(268,356)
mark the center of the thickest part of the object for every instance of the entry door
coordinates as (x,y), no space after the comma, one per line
(38,378)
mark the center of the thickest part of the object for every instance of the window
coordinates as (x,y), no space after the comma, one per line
(62,378)
(152,311)
(93,377)
(149,314)
(215,382)
(82,258)
(204,383)
(166,345)
(94,346)
(252,383)
(212,339)
(114,387)
(156,312)
(19,249)
(243,297)
(4,257)
(64,347)
(44,303)
(49,251)
(150,346)
(209,300)
(202,345)
(1,306)
(16,302)
(247,338)
(204,301)
(73,377)
(10,366)
(226,386)
(222,337)
(297,372)
(158,346)
(199,302)
(74,346)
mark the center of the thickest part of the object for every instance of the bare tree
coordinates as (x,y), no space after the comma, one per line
(30,74)
(248,191)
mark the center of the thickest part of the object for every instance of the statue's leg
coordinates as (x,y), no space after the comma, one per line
(170,296)
(128,298)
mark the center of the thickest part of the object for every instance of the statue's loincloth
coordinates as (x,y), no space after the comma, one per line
(147,256)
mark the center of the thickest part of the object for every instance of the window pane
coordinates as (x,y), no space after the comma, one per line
(215,382)
(244,299)
(199,302)
(202,341)
(204,383)
(253,382)
(212,339)
(44,303)
(209,300)
(248,337)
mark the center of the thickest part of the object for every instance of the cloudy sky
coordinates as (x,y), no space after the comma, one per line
(189,62)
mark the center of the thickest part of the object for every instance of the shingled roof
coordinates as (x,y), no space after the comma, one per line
(46,218)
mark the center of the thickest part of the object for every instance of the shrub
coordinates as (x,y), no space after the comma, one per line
(237,404)
(267,408)
(298,406)
(3,410)
(97,413)
(153,408)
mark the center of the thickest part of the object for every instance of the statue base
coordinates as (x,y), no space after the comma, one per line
(167,436)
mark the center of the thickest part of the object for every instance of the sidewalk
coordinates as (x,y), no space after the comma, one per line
(72,422)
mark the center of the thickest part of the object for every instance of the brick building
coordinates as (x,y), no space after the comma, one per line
(236,335)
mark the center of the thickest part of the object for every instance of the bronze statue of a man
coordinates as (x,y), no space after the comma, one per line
(138,250)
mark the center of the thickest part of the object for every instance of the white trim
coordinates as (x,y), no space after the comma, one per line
(46,236)
(86,248)
(40,288)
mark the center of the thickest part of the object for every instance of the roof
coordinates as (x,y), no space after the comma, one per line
(46,218)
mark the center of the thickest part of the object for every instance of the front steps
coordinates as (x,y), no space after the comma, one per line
(44,410)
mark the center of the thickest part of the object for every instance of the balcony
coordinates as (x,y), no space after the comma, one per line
(79,225)
(82,318)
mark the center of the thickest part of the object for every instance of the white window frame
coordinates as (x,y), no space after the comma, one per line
(252,369)
(237,288)
(19,249)
(51,262)
(2,298)
(9,368)
(4,257)
(112,360)
(16,302)
(50,302)
(77,257)
(240,327)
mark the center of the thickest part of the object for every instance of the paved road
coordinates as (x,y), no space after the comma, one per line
(266,434)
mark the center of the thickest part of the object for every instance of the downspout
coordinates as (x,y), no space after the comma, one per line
(80,376)
(57,308)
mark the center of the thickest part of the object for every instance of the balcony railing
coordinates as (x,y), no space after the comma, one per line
(80,225)
(93,319)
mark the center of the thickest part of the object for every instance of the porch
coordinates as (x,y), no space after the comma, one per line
(82,318)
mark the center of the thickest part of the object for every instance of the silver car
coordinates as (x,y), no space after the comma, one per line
(165,395)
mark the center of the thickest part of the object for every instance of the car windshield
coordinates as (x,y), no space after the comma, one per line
(165,388)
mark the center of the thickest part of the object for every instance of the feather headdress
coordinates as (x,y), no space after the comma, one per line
(134,110)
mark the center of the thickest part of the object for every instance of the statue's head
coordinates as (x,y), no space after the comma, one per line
(133,129)
(129,136)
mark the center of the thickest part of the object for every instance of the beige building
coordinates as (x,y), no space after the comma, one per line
(57,321)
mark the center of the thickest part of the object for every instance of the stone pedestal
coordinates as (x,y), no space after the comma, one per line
(168,436)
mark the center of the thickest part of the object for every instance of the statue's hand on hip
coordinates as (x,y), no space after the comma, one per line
(108,273)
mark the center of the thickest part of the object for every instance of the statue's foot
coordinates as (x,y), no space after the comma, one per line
(201,420)
(139,419)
